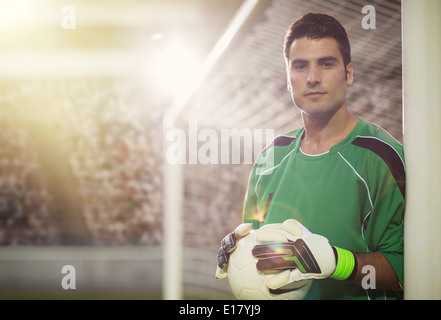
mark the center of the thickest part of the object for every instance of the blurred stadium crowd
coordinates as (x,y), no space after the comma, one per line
(107,144)
(24,203)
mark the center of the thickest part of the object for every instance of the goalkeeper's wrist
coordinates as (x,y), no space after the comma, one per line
(346,264)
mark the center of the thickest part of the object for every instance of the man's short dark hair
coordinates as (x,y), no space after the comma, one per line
(318,26)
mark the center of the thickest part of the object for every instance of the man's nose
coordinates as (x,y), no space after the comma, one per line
(313,77)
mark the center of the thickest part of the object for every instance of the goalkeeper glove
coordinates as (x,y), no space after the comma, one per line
(228,244)
(309,257)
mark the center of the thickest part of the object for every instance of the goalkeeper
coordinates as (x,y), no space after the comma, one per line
(339,176)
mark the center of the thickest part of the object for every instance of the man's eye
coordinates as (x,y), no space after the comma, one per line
(299,67)
(327,64)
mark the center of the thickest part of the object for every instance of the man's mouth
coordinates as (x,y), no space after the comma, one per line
(315,94)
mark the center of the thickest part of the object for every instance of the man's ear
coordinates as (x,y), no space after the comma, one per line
(288,83)
(349,74)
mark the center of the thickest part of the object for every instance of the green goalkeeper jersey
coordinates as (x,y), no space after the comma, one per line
(353,195)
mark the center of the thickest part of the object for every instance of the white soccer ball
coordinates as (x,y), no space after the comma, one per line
(248,283)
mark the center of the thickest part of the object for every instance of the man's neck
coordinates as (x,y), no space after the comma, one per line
(322,133)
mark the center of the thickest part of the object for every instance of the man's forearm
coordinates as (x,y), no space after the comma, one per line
(385,277)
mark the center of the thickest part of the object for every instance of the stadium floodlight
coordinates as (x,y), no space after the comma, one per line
(175,67)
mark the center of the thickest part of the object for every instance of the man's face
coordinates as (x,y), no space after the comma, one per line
(317,77)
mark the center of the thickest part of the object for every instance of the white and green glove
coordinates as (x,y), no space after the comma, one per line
(309,257)
(228,244)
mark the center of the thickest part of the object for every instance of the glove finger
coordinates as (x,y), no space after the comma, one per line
(283,278)
(278,280)
(292,226)
(228,244)
(273,249)
(295,228)
(242,230)
(276,264)
(221,273)
(222,258)
(268,235)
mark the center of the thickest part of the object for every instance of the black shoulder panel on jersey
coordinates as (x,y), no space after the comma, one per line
(280,141)
(283,141)
(389,156)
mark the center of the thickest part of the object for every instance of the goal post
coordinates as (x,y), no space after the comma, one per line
(421,30)
(172,173)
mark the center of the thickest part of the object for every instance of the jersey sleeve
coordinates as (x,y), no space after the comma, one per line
(384,231)
(250,211)
(383,227)
(263,166)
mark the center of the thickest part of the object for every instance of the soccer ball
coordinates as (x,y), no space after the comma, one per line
(247,283)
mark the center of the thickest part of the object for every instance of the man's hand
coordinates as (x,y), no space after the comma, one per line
(228,244)
(309,257)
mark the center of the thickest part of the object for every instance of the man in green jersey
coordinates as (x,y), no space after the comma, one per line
(340,176)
